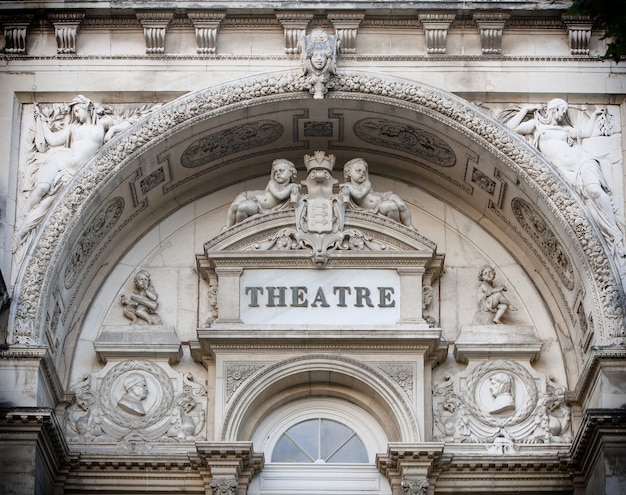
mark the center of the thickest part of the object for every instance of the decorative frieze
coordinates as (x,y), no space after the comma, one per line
(578,34)
(155,23)
(65,29)
(346,25)
(436,27)
(491,27)
(294,26)
(206,23)
(15,30)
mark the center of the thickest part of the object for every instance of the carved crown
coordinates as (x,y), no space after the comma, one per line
(319,160)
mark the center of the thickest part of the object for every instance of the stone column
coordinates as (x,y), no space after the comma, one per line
(33,450)
(228,294)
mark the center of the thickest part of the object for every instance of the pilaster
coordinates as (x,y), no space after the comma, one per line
(411,468)
(228,467)
(33,450)
(599,450)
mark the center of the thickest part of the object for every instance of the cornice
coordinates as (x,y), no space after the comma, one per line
(597,356)
(599,428)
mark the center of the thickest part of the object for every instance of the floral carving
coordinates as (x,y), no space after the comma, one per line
(534,224)
(97,229)
(232,140)
(402,375)
(237,374)
(403,137)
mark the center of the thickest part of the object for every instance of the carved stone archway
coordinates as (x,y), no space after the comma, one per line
(359,115)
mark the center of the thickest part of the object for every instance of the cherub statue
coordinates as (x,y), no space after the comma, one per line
(319,60)
(84,133)
(279,190)
(142,303)
(490,296)
(555,136)
(358,191)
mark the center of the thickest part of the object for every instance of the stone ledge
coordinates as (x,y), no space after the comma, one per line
(497,342)
(135,341)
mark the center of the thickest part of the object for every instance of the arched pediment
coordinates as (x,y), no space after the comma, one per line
(411,133)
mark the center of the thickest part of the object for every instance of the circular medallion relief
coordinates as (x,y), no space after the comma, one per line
(136,394)
(501,393)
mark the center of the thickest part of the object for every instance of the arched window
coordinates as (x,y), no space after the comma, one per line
(320,446)
(320,440)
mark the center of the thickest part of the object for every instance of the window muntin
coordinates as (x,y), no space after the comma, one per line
(319,440)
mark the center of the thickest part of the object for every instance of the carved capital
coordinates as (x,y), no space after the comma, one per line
(346,25)
(155,23)
(294,25)
(65,29)
(436,27)
(578,34)
(230,464)
(206,24)
(491,27)
(15,30)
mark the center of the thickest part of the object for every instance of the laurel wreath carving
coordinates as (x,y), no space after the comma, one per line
(489,367)
(109,405)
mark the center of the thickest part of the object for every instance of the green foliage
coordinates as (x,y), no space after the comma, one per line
(609,15)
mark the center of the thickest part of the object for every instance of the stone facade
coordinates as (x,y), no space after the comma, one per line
(330,248)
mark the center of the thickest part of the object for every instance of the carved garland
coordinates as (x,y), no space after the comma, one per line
(32,288)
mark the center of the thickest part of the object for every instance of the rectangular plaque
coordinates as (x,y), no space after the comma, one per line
(320,297)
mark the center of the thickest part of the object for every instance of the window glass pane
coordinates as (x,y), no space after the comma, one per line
(336,442)
(353,451)
(287,451)
(306,435)
(333,434)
